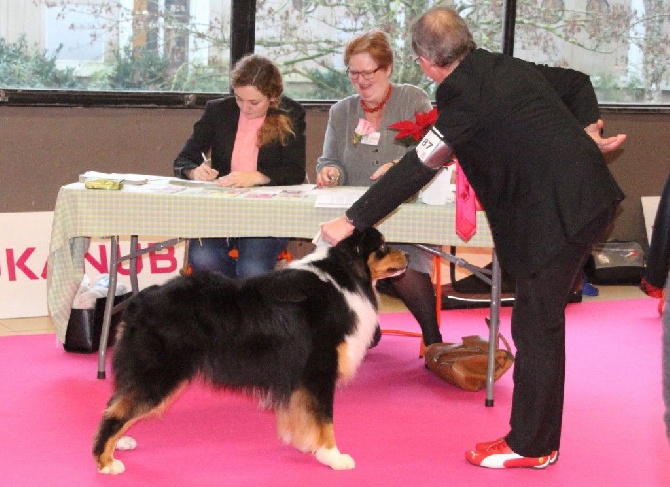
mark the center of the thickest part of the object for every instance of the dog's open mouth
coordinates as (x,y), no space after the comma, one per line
(392,264)
(395,272)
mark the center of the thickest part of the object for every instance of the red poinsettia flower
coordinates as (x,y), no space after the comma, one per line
(413,131)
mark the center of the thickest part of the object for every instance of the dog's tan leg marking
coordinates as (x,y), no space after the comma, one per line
(345,369)
(297,424)
(329,454)
(123,407)
(106,462)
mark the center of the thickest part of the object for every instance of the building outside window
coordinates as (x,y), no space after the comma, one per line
(184,46)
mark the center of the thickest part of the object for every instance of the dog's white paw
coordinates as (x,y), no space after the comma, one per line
(334,459)
(114,468)
(126,443)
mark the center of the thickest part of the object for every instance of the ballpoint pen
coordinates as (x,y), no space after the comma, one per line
(332,180)
(205,160)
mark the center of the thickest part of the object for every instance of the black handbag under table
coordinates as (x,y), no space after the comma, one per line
(84,327)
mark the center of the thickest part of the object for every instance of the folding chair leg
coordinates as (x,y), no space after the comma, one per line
(185,267)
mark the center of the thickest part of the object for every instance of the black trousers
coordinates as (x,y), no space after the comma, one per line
(658,258)
(538,331)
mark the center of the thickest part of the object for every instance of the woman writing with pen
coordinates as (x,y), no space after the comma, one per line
(255,138)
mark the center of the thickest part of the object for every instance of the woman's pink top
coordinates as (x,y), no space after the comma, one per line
(245,150)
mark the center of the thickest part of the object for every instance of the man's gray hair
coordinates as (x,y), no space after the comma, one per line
(441,36)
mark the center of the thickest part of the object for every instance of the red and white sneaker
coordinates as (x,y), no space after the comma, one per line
(498,454)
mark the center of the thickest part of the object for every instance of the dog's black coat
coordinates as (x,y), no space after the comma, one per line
(271,335)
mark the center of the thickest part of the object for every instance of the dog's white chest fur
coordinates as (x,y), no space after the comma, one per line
(359,341)
(366,314)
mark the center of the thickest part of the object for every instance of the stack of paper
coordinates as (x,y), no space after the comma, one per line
(340,197)
(126,178)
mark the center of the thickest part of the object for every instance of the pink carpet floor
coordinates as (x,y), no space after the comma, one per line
(403,426)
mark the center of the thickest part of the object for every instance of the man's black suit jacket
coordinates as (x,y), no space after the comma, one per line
(517,129)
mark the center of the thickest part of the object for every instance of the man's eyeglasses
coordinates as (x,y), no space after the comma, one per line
(353,75)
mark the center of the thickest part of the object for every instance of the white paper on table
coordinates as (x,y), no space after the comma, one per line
(126,178)
(337,197)
(295,190)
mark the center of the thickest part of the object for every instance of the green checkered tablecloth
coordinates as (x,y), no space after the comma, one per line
(138,210)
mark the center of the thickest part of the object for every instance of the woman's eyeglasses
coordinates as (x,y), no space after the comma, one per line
(353,75)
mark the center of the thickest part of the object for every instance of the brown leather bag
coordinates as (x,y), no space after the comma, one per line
(464,364)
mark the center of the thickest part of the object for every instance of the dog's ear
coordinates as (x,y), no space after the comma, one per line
(352,240)
(362,242)
(369,240)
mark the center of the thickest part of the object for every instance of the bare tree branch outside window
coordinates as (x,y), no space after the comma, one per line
(183,45)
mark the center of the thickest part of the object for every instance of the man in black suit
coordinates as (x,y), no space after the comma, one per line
(528,139)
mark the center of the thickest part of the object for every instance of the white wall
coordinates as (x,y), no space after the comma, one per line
(24,249)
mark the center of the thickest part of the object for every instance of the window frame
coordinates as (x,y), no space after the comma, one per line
(242,41)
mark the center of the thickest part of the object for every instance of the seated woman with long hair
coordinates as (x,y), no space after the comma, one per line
(256,137)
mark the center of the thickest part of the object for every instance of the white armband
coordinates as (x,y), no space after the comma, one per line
(433,151)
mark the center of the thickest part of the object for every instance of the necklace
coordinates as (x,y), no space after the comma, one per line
(381,105)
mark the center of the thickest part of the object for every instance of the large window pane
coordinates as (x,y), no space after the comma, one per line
(623,44)
(125,45)
(308,36)
(87,43)
(168,46)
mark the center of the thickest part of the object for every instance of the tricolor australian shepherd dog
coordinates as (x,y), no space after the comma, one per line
(287,338)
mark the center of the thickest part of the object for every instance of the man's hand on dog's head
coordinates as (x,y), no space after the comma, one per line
(336,230)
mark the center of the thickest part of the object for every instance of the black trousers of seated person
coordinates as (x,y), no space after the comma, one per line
(538,331)
(415,289)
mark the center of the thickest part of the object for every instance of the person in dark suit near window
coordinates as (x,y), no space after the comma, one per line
(658,257)
(256,137)
(656,280)
(528,138)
